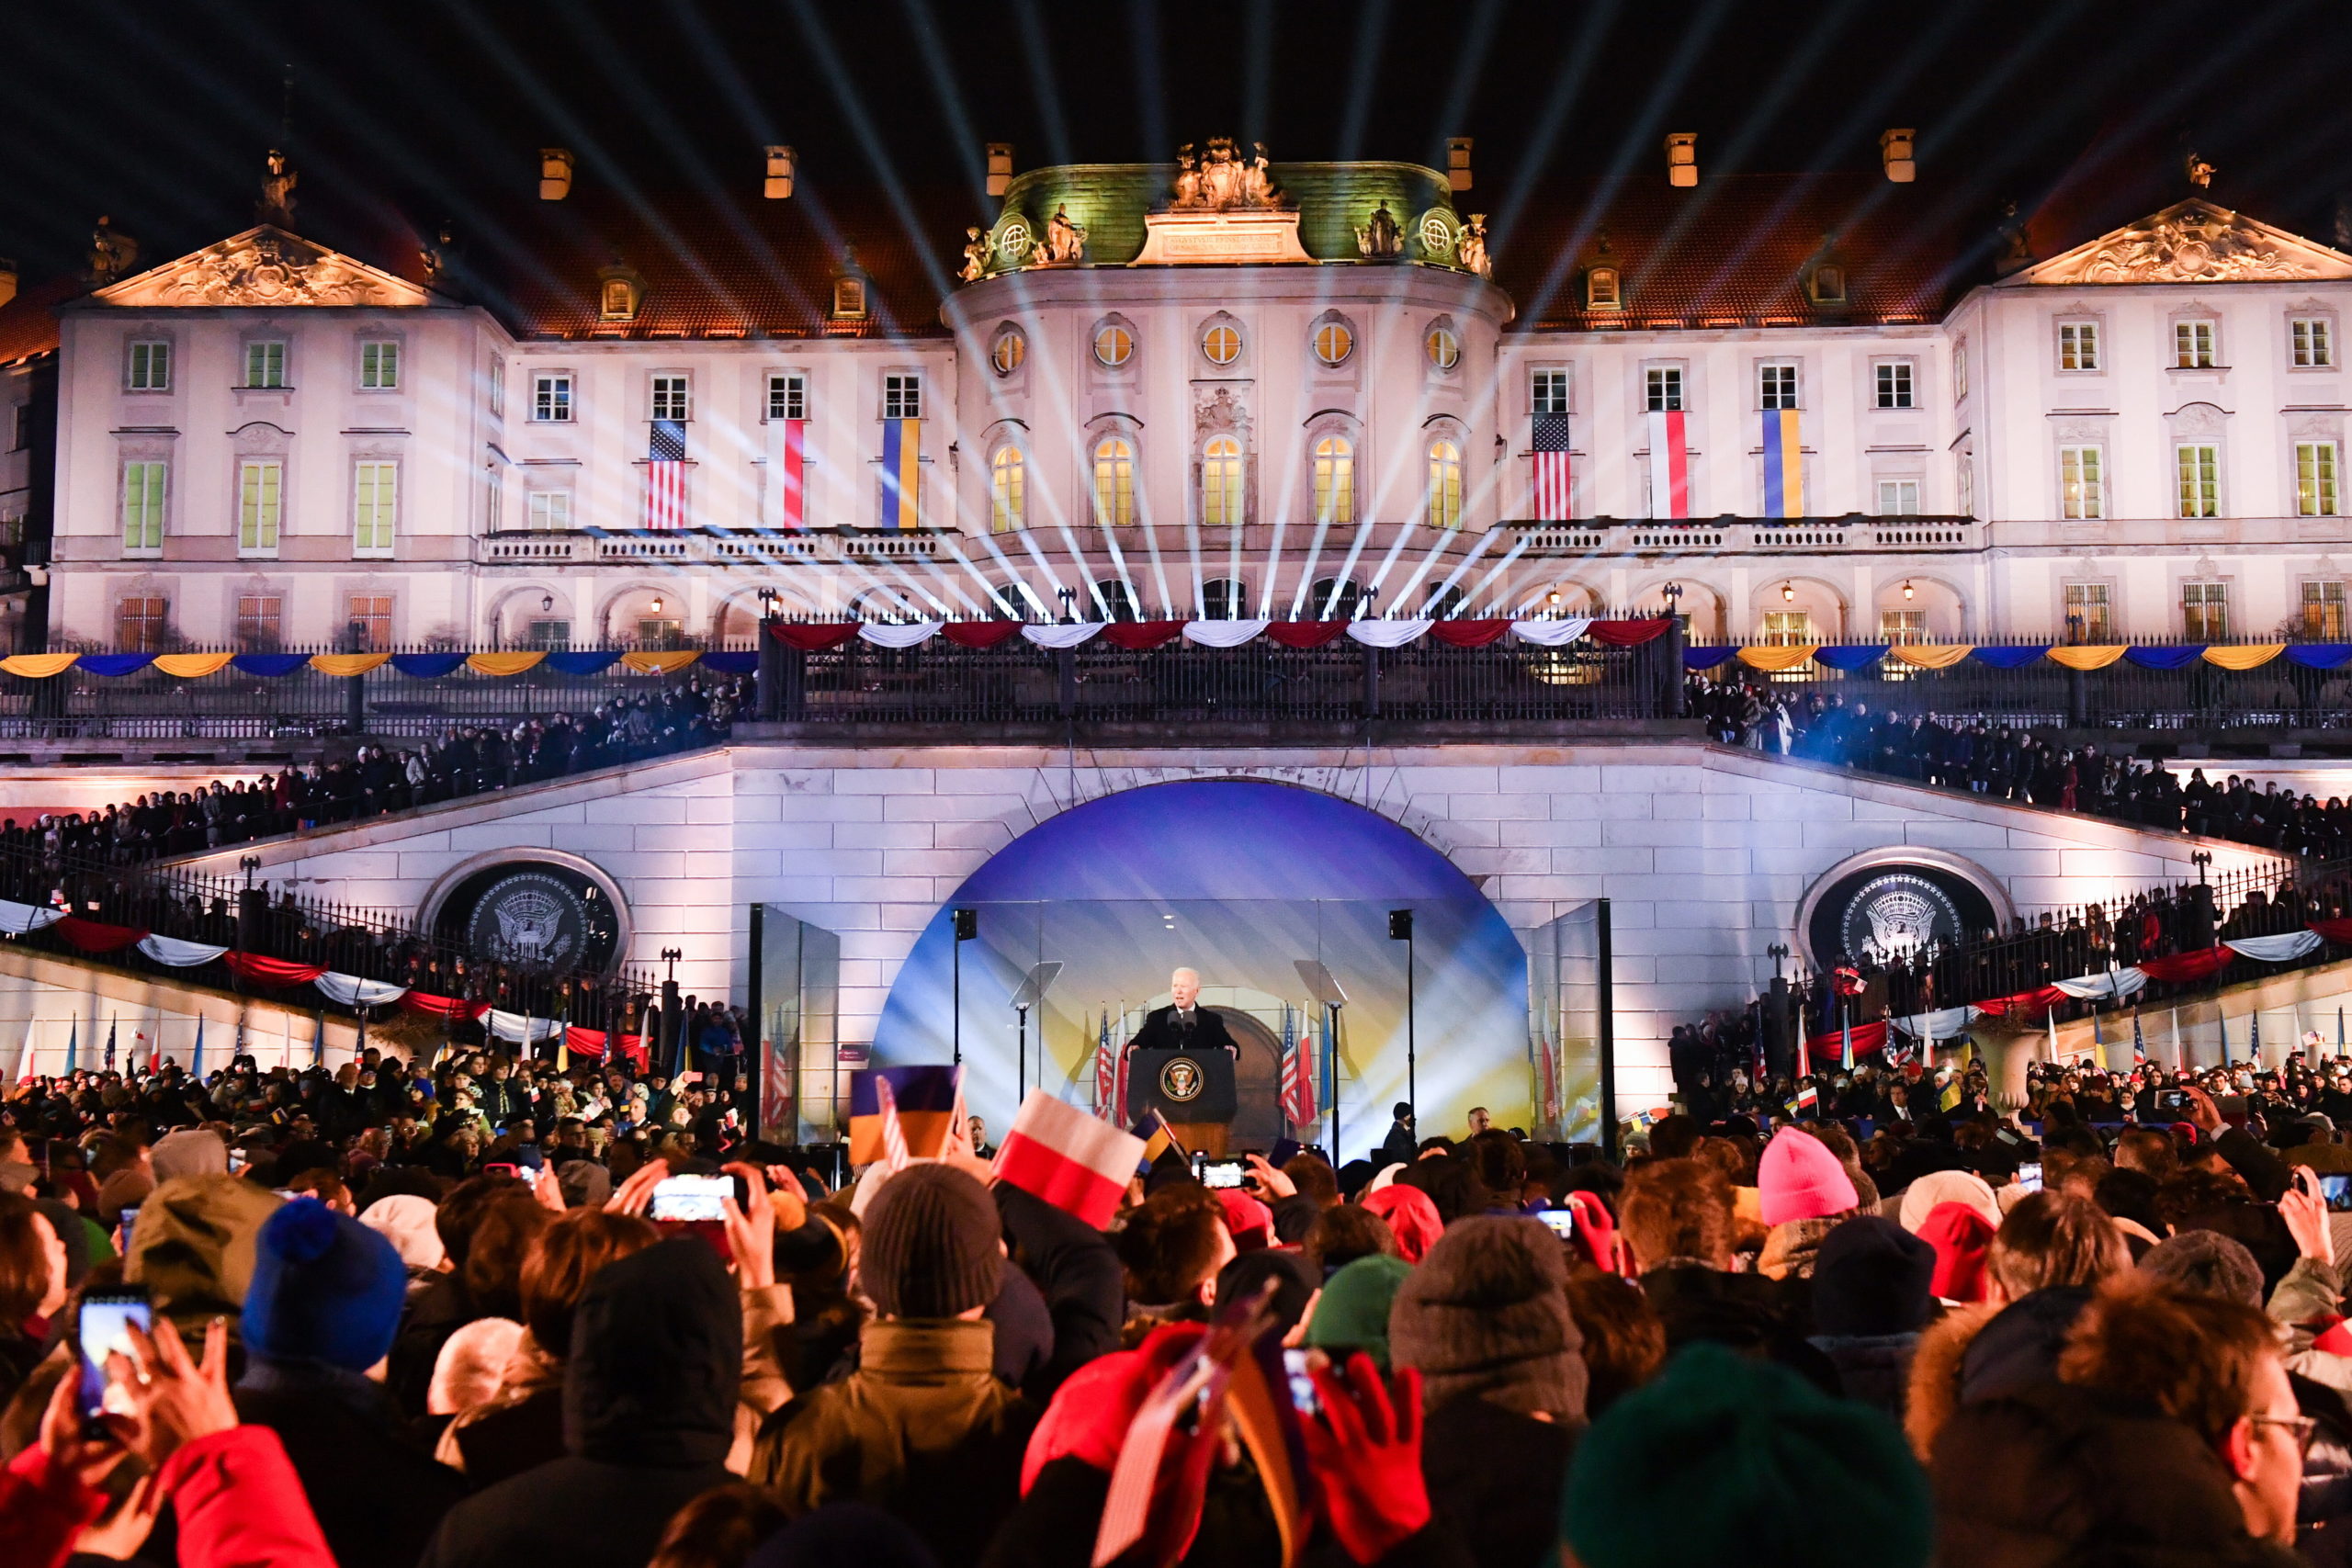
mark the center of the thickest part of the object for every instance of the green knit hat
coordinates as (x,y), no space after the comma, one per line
(1728,1459)
(1352,1312)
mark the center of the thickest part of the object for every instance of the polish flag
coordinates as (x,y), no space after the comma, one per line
(1077,1163)
(1669,465)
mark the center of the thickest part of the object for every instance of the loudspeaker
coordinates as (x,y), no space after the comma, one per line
(1401,925)
(967,924)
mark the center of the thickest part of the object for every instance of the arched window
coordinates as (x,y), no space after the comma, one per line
(1116,599)
(1008,491)
(1333,599)
(1335,480)
(1445,485)
(1115,481)
(1446,601)
(1225,599)
(1221,482)
(1024,600)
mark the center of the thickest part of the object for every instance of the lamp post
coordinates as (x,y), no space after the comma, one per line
(1400,929)
(1672,593)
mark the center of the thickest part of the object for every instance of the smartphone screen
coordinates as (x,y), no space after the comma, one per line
(105,1319)
(123,1228)
(1563,1222)
(2337,1191)
(2030,1176)
(1302,1386)
(1221,1173)
(692,1198)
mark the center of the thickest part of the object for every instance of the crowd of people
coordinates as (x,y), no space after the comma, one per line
(437,1314)
(1989,757)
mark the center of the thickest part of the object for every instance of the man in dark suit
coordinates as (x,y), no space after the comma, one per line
(1183,1024)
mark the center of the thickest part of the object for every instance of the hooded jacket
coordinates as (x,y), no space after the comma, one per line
(648,1414)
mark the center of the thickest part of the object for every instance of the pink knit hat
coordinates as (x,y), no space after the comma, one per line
(1799,1179)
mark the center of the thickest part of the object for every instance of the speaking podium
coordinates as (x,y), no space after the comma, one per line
(1193,1091)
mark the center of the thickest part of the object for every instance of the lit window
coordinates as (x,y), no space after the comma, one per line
(550,509)
(1547,392)
(1114,482)
(1788,628)
(619,300)
(1893,383)
(551,399)
(787,395)
(2315,479)
(140,625)
(369,622)
(142,507)
(374,499)
(497,390)
(1444,507)
(2205,611)
(2323,610)
(1009,350)
(265,365)
(2088,617)
(2193,345)
(2078,346)
(1335,480)
(1113,345)
(2199,469)
(1776,386)
(149,367)
(2314,342)
(1222,344)
(260,623)
(1443,347)
(1960,373)
(2080,492)
(849,297)
(670,397)
(380,366)
(1333,343)
(1662,385)
(260,488)
(901,397)
(1903,626)
(1221,482)
(1600,289)
(1898,498)
(1007,485)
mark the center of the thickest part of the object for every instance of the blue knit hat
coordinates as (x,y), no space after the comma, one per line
(326,1287)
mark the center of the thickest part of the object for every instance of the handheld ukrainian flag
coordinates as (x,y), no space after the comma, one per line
(901,448)
(1157,1139)
(923,1099)
(1783,465)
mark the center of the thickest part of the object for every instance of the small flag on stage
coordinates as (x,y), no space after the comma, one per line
(901,450)
(795,465)
(1298,1073)
(110,1028)
(1106,1071)
(1553,496)
(1060,1153)
(2138,1044)
(924,1100)
(665,475)
(1783,465)
(1669,465)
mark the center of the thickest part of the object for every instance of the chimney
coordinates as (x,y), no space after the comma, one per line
(777,186)
(555,173)
(1457,163)
(999,167)
(1895,154)
(1682,158)
(7,279)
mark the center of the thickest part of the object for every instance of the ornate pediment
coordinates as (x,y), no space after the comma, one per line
(2192,241)
(264,267)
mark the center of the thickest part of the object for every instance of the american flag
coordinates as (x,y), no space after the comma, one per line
(1106,1069)
(1552,494)
(665,476)
(893,1137)
(1298,1072)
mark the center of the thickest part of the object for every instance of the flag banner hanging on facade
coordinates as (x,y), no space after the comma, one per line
(901,447)
(1783,465)
(665,475)
(1551,499)
(1669,465)
(793,465)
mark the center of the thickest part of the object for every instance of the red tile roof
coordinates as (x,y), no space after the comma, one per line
(28,324)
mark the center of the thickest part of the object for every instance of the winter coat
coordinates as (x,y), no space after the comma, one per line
(233,1496)
(648,1414)
(1873,1369)
(1748,1313)
(1495,1478)
(350,1451)
(1073,1267)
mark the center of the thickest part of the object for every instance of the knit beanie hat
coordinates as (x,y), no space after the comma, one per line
(1960,1236)
(1799,1178)
(1722,1459)
(1872,1277)
(1487,1315)
(407,1221)
(325,1288)
(1250,1221)
(191,1151)
(933,1244)
(1920,1198)
(2208,1263)
(1353,1312)
(1411,1217)
(1090,1412)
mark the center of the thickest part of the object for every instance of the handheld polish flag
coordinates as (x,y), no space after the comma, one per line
(1060,1153)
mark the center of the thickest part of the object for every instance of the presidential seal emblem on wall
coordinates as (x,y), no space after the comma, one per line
(1180,1080)
(529,917)
(1897,912)
(1887,903)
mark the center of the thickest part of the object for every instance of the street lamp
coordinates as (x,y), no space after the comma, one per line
(1672,593)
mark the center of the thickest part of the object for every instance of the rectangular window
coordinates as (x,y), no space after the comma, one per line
(142,507)
(260,488)
(553,635)
(1893,377)
(369,622)
(550,509)
(2081,492)
(139,625)
(2193,345)
(2314,342)
(1547,392)
(2088,618)
(265,365)
(787,395)
(2205,611)
(1776,387)
(1960,374)
(2199,468)
(2078,346)
(2315,479)
(380,366)
(497,390)
(260,623)
(1966,484)
(1903,626)
(551,399)
(21,428)
(2323,610)
(901,397)
(1898,498)
(1663,386)
(1788,628)
(375,496)
(149,368)
(670,397)
(658,634)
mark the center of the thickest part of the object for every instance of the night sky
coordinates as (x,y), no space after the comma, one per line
(405,112)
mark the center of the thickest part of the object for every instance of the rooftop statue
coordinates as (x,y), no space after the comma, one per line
(276,203)
(1221,179)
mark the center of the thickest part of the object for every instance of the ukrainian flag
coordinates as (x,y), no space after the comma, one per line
(1157,1139)
(901,445)
(1783,465)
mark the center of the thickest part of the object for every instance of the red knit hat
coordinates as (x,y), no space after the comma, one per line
(1411,1215)
(1090,1412)
(1960,1236)
(1799,1179)
(1251,1223)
